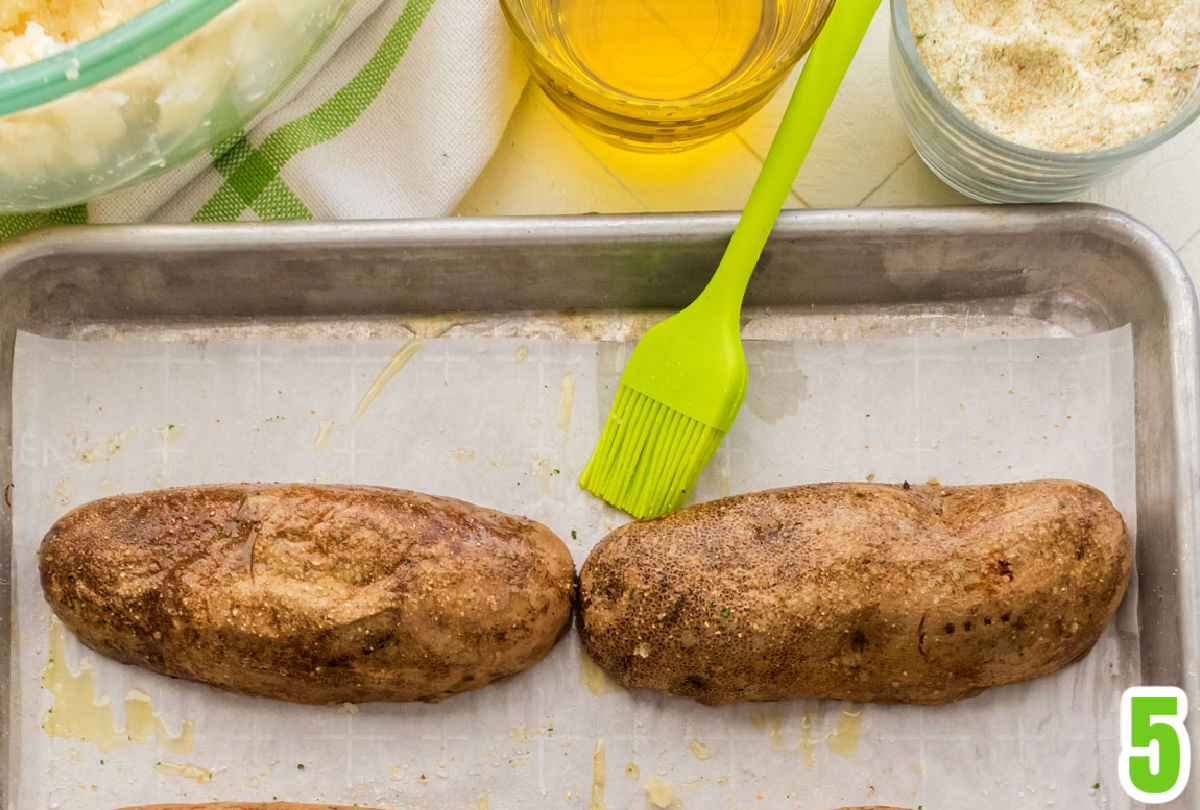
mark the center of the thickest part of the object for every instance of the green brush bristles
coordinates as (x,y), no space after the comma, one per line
(686,379)
(649,456)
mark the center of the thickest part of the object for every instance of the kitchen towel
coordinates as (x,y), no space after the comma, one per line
(395,117)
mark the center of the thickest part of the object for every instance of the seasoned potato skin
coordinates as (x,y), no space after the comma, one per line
(311,594)
(252,806)
(861,592)
(291,806)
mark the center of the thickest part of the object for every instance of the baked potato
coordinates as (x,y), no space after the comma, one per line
(292,806)
(859,592)
(311,594)
(249,806)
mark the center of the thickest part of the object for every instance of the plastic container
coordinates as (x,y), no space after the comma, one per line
(662,74)
(148,95)
(985,166)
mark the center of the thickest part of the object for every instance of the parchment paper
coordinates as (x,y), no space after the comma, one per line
(495,421)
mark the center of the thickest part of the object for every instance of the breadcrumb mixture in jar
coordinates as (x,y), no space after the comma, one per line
(1062,75)
(34,29)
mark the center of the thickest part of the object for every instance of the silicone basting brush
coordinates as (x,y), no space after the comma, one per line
(686,379)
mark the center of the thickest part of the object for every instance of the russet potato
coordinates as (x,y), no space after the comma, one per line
(311,594)
(859,592)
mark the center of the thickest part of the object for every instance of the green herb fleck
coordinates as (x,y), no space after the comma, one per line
(574,535)
(725,612)
(1095,785)
(1062,505)
(921,37)
(299,766)
(1148,79)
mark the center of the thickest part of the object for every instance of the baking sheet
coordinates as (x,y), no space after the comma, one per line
(508,422)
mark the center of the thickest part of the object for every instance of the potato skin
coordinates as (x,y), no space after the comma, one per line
(311,594)
(292,806)
(250,806)
(861,592)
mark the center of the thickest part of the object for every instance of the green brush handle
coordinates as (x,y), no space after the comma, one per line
(815,90)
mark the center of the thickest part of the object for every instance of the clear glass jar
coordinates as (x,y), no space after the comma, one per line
(662,75)
(986,167)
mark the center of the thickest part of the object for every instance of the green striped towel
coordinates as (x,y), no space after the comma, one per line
(395,117)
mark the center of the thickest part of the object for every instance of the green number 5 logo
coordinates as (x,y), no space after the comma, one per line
(1156,755)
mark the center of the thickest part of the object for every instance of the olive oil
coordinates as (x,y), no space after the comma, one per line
(666,50)
(663,73)
(78,714)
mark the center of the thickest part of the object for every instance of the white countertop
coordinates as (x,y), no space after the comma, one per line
(862,157)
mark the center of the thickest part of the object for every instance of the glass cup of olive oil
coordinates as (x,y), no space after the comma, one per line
(660,75)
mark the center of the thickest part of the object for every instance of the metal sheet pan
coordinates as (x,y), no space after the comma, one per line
(834,275)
